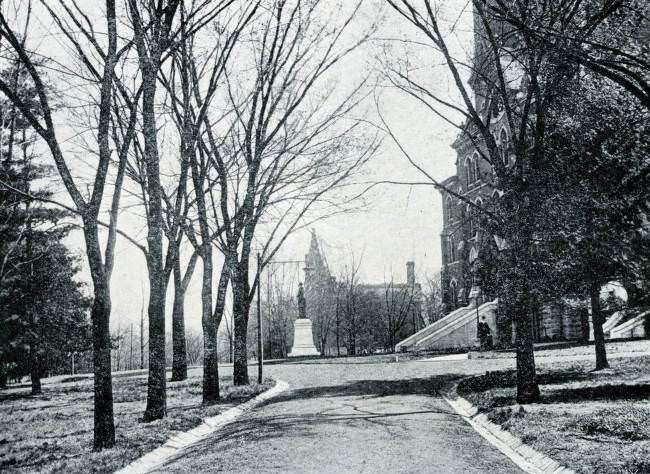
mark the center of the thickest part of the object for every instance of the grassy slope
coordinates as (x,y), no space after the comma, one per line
(53,432)
(593,422)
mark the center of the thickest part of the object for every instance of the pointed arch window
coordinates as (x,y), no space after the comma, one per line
(453,293)
(469,170)
(473,255)
(469,215)
(452,249)
(449,208)
(477,171)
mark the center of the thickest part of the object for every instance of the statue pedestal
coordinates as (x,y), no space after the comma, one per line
(303,340)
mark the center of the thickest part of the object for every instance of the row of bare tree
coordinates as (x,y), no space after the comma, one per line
(218,125)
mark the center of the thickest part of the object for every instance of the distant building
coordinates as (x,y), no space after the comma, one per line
(324,296)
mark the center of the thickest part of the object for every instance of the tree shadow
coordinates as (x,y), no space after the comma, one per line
(22,395)
(552,390)
(598,392)
(372,388)
(508,379)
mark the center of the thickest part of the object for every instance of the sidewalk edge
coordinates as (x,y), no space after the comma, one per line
(177,443)
(524,456)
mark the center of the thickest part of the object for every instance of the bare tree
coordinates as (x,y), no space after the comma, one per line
(398,309)
(288,147)
(199,82)
(98,58)
(609,40)
(228,334)
(194,348)
(179,352)
(347,304)
(433,304)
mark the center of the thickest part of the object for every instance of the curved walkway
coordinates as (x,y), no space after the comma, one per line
(340,418)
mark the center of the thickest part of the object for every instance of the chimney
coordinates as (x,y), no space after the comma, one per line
(410,273)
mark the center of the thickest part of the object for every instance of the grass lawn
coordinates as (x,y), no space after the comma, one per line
(592,422)
(53,432)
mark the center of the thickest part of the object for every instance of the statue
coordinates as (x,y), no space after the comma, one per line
(302,305)
(303,339)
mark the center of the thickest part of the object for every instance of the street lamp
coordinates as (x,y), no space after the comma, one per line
(475,291)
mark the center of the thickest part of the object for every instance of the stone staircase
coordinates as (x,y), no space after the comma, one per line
(457,330)
(612,322)
(613,328)
(634,327)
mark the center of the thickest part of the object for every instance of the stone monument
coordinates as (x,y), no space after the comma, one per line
(303,339)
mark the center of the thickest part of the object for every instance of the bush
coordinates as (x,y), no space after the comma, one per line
(481,383)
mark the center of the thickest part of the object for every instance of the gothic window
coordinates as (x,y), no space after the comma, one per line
(473,255)
(477,171)
(453,293)
(452,249)
(470,220)
(450,209)
(469,171)
(504,146)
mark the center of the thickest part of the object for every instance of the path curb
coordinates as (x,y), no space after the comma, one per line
(174,445)
(527,458)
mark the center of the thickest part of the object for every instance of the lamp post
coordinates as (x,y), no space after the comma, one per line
(260,349)
(475,292)
(260,356)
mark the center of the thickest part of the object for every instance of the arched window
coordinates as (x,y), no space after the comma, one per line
(473,255)
(453,293)
(469,215)
(477,171)
(452,249)
(469,170)
(504,146)
(450,209)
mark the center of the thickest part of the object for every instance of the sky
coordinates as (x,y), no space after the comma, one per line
(399,223)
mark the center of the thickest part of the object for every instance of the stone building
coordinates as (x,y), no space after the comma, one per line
(320,288)
(462,239)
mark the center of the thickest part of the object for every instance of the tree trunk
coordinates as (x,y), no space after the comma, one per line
(156,393)
(157,381)
(597,320)
(3,375)
(241,307)
(179,357)
(35,370)
(527,388)
(210,352)
(104,427)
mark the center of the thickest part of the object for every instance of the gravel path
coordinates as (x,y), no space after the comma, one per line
(361,418)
